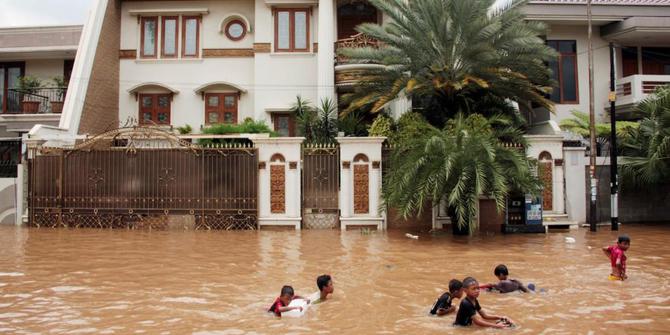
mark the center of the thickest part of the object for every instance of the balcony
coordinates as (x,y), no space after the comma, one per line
(23,109)
(346,72)
(633,89)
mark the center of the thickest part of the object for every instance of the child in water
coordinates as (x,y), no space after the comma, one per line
(470,312)
(443,304)
(505,284)
(281,304)
(325,285)
(617,256)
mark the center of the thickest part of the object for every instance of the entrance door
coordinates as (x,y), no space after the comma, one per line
(10,100)
(351,15)
(220,108)
(545,168)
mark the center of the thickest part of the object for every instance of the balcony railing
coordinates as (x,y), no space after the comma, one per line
(37,101)
(635,88)
(359,40)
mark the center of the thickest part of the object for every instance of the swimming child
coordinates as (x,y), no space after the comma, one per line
(470,312)
(617,256)
(443,304)
(505,285)
(281,303)
(325,285)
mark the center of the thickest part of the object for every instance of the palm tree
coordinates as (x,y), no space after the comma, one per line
(579,125)
(454,55)
(646,161)
(472,156)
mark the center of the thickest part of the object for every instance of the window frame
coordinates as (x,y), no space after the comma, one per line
(221,108)
(559,78)
(197,36)
(176,36)
(291,29)
(154,109)
(143,20)
(244,31)
(291,124)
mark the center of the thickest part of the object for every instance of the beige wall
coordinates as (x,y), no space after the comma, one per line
(600,69)
(45,69)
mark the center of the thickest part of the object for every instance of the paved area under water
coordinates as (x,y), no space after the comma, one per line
(211,282)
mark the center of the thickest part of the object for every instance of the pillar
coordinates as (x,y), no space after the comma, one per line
(575,183)
(326,53)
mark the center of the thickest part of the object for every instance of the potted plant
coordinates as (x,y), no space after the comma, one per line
(28,86)
(61,87)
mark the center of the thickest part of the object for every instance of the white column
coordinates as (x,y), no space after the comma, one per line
(559,196)
(575,183)
(375,193)
(326,54)
(19,196)
(346,199)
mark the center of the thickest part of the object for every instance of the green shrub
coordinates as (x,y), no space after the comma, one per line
(248,126)
(381,126)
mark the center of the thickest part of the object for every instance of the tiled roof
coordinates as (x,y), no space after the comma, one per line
(606,2)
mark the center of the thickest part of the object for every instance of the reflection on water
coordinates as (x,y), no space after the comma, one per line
(174,282)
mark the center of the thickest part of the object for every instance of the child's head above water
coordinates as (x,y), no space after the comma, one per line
(286,294)
(455,288)
(623,242)
(325,283)
(501,272)
(471,287)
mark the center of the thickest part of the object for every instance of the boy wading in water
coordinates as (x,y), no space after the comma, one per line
(325,285)
(281,304)
(505,284)
(443,305)
(617,256)
(470,312)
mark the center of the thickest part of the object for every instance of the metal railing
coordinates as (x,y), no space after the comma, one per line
(36,101)
(359,40)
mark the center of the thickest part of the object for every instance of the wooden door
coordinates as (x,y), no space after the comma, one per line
(545,168)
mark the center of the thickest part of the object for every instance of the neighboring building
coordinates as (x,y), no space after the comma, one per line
(43,53)
(173,63)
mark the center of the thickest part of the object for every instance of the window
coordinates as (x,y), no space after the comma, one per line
(149,41)
(190,33)
(565,72)
(284,124)
(220,108)
(235,30)
(155,109)
(291,29)
(170,27)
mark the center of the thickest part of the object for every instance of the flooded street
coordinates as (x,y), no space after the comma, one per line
(212,282)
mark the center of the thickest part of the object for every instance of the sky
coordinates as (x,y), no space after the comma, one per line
(28,13)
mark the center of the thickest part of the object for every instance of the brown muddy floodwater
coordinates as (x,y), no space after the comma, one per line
(211,282)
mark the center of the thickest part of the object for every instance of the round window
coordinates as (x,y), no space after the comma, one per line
(235,30)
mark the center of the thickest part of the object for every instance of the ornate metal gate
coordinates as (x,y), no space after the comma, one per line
(320,186)
(143,177)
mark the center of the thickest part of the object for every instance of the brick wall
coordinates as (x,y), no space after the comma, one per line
(101,107)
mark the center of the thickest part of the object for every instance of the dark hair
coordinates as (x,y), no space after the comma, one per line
(455,285)
(322,281)
(469,281)
(287,290)
(623,238)
(501,270)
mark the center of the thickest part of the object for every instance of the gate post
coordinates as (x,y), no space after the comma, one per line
(279,181)
(360,181)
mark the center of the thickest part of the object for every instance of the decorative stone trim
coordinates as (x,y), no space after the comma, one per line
(261,165)
(262,47)
(127,54)
(361,188)
(559,162)
(346,164)
(376,164)
(277,189)
(213,53)
(292,165)
(315,47)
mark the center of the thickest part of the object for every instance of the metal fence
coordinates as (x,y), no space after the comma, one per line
(98,184)
(320,185)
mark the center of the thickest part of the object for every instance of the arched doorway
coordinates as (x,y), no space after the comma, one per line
(351,13)
(545,169)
